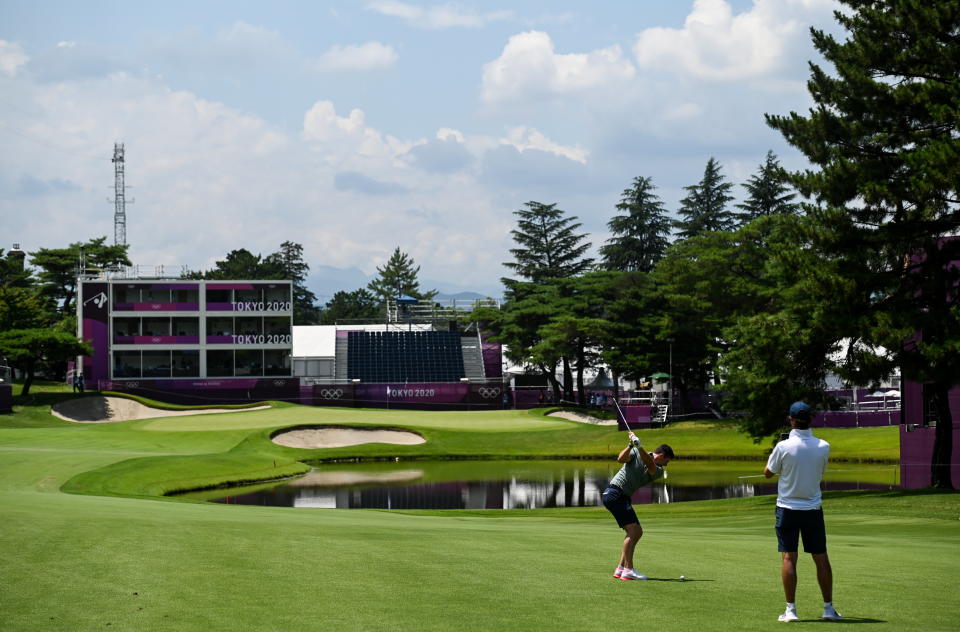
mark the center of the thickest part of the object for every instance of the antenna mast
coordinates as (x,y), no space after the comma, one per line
(119,198)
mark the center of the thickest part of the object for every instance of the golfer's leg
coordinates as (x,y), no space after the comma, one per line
(788,573)
(824,575)
(634,532)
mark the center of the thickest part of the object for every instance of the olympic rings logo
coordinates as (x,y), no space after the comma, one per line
(279,382)
(132,384)
(331,393)
(488,393)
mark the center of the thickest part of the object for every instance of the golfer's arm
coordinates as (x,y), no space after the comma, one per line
(648,461)
(624,456)
(768,473)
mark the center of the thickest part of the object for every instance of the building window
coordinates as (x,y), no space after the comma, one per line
(218,296)
(276,325)
(220,363)
(186,326)
(277,362)
(249,326)
(156,326)
(156,364)
(249,362)
(186,363)
(155,296)
(126,364)
(219,326)
(126,326)
(185,296)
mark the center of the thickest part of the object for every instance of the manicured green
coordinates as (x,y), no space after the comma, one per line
(95,562)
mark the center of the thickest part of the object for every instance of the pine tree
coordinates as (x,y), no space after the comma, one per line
(397,278)
(705,207)
(768,192)
(549,245)
(640,234)
(884,140)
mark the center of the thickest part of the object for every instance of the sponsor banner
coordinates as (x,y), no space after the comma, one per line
(156,307)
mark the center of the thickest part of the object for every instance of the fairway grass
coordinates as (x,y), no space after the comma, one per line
(100,562)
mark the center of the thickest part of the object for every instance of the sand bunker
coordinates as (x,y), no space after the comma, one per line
(312,438)
(585,419)
(97,409)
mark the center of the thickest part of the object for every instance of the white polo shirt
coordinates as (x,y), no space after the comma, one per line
(800,460)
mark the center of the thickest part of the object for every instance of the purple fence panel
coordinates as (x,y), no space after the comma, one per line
(634,417)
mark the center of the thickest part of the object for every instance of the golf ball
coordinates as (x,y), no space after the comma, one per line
(682,578)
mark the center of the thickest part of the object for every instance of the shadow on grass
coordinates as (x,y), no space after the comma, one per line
(678,580)
(843,621)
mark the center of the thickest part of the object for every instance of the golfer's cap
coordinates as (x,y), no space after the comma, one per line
(800,410)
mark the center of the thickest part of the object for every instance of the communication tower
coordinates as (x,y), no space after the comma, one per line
(119,197)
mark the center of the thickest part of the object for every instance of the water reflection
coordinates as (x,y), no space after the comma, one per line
(518,485)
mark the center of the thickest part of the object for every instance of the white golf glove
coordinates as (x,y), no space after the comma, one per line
(634,441)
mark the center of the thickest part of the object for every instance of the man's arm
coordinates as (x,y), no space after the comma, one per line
(647,460)
(768,473)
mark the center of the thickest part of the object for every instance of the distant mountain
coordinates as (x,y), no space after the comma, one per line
(325,281)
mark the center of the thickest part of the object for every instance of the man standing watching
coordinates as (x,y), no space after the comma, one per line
(639,468)
(801,460)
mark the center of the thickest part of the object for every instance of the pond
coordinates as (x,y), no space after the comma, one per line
(522,484)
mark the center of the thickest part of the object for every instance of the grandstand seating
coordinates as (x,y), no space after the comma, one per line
(404,356)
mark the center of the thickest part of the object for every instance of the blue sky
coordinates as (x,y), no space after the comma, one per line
(354,128)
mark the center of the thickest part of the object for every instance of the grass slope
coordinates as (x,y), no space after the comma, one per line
(93,562)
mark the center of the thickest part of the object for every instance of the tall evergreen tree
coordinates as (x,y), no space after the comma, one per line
(884,139)
(768,192)
(289,259)
(705,207)
(58,267)
(549,246)
(397,278)
(641,233)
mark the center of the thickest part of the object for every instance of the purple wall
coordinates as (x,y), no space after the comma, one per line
(6,398)
(916,449)
(204,391)
(856,419)
(634,417)
(421,396)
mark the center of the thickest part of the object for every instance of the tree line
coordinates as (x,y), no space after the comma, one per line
(859,279)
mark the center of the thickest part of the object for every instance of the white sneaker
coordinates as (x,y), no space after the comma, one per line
(630,574)
(788,616)
(617,573)
(830,614)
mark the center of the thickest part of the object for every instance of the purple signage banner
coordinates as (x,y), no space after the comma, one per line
(634,417)
(94,316)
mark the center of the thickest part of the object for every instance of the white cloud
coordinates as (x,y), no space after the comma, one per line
(529,66)
(438,16)
(12,58)
(524,138)
(715,44)
(362,57)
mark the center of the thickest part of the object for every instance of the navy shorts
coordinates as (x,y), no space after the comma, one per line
(619,505)
(792,524)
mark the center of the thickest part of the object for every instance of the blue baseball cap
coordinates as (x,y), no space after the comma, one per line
(800,410)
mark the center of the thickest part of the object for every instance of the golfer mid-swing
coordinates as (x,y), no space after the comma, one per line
(639,468)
